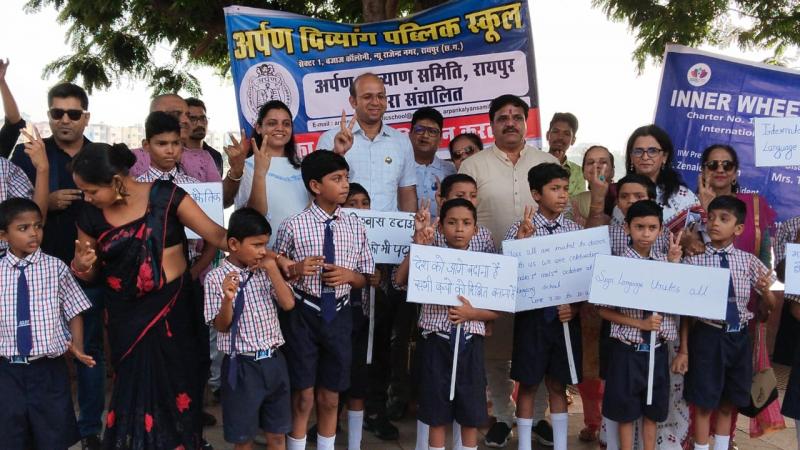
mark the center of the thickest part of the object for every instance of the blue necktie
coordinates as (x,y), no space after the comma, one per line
(24,334)
(551,312)
(328,297)
(732,312)
(238,308)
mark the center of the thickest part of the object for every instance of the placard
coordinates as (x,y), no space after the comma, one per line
(665,287)
(792,285)
(556,269)
(439,275)
(209,197)
(389,233)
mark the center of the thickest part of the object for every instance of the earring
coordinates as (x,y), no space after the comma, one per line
(121,192)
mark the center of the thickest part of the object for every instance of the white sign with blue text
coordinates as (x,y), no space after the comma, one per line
(209,197)
(556,269)
(389,233)
(660,286)
(439,275)
(777,141)
(792,285)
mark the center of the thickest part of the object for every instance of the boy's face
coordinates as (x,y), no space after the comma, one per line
(251,250)
(165,150)
(463,190)
(722,226)
(458,227)
(333,188)
(554,196)
(24,233)
(357,201)
(643,232)
(629,194)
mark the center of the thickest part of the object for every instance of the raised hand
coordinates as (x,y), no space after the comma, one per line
(343,140)
(526,226)
(85,256)
(237,152)
(3,69)
(35,150)
(230,285)
(704,191)
(426,235)
(598,183)
(675,249)
(652,323)
(261,158)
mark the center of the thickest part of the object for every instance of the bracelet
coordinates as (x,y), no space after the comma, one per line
(228,176)
(78,272)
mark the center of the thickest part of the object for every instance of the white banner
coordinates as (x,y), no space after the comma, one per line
(777,141)
(209,197)
(792,269)
(389,233)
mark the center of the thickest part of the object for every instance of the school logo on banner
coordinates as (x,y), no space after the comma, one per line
(699,74)
(266,82)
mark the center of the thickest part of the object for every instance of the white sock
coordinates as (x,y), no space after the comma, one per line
(355,422)
(560,425)
(457,445)
(470,448)
(422,436)
(700,446)
(612,433)
(325,443)
(721,442)
(435,448)
(295,444)
(524,427)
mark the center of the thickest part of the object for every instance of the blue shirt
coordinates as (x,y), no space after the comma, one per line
(427,177)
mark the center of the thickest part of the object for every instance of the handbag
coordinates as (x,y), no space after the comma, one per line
(764,389)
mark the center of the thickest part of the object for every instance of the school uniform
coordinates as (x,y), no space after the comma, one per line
(480,242)
(539,346)
(318,331)
(13,183)
(620,241)
(625,394)
(38,298)
(720,361)
(791,402)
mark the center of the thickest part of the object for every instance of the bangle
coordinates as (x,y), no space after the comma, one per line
(79,272)
(228,176)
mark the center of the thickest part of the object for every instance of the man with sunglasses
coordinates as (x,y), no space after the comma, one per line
(198,127)
(425,135)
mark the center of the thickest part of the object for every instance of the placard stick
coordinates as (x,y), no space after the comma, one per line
(455,361)
(650,366)
(371,338)
(570,357)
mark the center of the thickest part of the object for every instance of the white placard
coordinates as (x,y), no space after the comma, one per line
(389,233)
(777,141)
(660,286)
(439,275)
(209,197)
(792,285)
(556,269)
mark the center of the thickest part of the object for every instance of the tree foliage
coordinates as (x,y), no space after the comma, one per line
(770,24)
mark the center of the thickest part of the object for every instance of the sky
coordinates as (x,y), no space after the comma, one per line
(584,65)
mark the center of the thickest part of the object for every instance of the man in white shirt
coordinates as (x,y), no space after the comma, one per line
(425,135)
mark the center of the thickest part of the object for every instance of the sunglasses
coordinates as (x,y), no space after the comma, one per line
(466,151)
(73,114)
(727,166)
(651,152)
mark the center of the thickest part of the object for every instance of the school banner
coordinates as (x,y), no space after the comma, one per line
(709,99)
(455,57)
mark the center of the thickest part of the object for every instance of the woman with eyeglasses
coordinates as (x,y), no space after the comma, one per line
(463,146)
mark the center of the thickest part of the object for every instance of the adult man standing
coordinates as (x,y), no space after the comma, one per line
(425,135)
(501,172)
(198,127)
(560,136)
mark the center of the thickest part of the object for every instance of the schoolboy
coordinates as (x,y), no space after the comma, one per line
(333,254)
(719,353)
(40,306)
(631,189)
(539,350)
(461,185)
(239,304)
(624,400)
(438,324)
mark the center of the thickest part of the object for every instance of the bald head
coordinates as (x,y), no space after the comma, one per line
(176,106)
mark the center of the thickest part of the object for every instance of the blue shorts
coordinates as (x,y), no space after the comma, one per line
(468,407)
(720,367)
(37,411)
(625,397)
(359,371)
(262,398)
(791,402)
(540,349)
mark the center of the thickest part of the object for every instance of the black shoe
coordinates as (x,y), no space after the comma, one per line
(208,420)
(204,445)
(216,396)
(498,435)
(543,433)
(91,443)
(311,434)
(381,428)
(396,409)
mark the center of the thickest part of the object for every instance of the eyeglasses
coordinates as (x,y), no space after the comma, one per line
(419,129)
(638,152)
(727,166)
(466,151)
(73,114)
(200,119)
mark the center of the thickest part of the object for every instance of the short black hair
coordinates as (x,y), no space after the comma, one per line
(356,188)
(447,184)
(567,117)
(428,113)
(730,204)
(99,163)
(455,203)
(65,90)
(645,208)
(320,163)
(158,122)
(247,222)
(544,173)
(196,102)
(13,207)
(635,178)
(507,99)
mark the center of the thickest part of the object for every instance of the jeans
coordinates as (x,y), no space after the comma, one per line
(91,380)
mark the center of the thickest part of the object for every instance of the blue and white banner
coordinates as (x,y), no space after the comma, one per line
(709,99)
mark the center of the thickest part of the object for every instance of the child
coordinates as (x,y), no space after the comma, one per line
(539,350)
(461,185)
(626,377)
(719,353)
(40,303)
(239,305)
(438,323)
(333,254)
(631,189)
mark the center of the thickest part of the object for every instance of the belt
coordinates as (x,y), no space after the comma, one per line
(725,326)
(260,354)
(445,336)
(643,347)
(314,302)
(17,359)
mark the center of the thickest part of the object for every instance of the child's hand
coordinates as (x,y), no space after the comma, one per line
(261,158)
(764,282)
(84,258)
(309,266)
(374,280)
(334,275)
(286,265)
(675,250)
(652,323)
(230,285)
(463,313)
(526,226)
(422,218)
(565,313)
(426,235)
(35,150)
(680,364)
(82,357)
(691,241)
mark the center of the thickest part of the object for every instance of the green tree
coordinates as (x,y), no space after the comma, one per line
(112,39)
(770,24)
